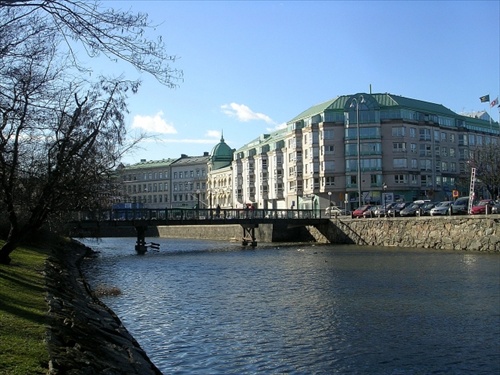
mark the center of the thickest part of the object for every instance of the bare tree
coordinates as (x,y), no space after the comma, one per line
(119,35)
(60,136)
(486,160)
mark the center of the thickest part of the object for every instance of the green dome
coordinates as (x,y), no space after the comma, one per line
(221,155)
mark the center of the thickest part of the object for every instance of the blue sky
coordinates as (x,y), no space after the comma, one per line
(249,67)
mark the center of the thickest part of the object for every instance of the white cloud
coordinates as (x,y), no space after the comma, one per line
(244,113)
(154,124)
(277,127)
(213,134)
(209,141)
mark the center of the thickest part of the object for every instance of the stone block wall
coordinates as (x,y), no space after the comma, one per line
(476,233)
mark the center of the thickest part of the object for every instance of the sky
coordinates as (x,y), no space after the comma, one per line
(251,66)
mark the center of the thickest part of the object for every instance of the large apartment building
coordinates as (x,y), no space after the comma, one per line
(167,183)
(361,148)
(349,150)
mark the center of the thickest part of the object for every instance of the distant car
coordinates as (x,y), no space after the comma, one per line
(482,206)
(460,206)
(412,209)
(396,208)
(382,210)
(371,212)
(425,210)
(358,212)
(496,208)
(442,208)
(333,211)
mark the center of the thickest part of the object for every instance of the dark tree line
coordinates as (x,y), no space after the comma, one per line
(61,135)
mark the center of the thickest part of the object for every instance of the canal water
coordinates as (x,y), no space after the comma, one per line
(205,307)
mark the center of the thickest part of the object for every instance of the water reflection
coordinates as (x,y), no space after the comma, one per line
(202,307)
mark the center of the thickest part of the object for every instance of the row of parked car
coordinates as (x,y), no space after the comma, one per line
(427,208)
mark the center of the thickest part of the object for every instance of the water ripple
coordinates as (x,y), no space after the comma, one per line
(203,307)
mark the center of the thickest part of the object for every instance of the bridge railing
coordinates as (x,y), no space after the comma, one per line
(176,214)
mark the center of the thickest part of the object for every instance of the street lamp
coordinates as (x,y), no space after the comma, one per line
(210,202)
(298,192)
(330,206)
(198,203)
(358,100)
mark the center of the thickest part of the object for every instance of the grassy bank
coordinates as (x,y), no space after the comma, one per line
(23,313)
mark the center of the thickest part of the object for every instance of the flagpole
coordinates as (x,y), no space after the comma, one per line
(493,103)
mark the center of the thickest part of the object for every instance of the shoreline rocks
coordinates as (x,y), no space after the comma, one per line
(85,336)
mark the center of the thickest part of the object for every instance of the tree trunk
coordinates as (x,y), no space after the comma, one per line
(13,240)
(5,251)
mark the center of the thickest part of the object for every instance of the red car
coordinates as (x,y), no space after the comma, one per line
(358,212)
(480,208)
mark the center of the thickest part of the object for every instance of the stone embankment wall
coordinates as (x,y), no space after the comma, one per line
(234,232)
(477,233)
(85,336)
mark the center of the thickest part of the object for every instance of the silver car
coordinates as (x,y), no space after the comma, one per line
(460,206)
(442,208)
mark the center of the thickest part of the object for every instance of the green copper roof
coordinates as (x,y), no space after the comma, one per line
(390,100)
(272,139)
(381,100)
(314,110)
(221,155)
(150,164)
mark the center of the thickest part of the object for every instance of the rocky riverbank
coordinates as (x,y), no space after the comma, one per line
(84,335)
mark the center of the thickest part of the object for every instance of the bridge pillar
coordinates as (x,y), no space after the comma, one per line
(249,235)
(140,245)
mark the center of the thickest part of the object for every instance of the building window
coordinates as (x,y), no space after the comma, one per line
(399,147)
(329,166)
(330,181)
(328,134)
(425,149)
(400,163)
(425,134)
(425,165)
(400,179)
(398,131)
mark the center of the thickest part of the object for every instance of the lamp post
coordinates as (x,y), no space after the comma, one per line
(210,202)
(330,206)
(358,100)
(198,203)
(298,193)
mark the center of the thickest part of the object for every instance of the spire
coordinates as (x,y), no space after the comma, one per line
(222,136)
